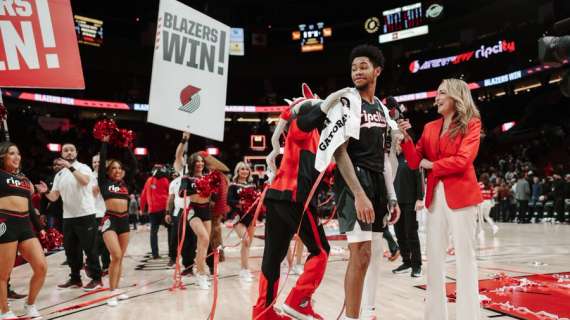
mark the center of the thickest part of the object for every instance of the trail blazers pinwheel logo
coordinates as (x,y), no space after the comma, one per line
(189,99)
(3,228)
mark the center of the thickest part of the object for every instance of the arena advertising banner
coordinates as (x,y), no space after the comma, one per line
(38,45)
(481,53)
(189,71)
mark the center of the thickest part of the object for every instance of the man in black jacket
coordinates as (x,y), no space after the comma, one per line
(409,191)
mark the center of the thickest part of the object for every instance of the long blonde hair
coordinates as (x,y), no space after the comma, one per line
(238,167)
(465,108)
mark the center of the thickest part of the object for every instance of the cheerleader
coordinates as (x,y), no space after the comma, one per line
(16,233)
(194,185)
(115,225)
(241,183)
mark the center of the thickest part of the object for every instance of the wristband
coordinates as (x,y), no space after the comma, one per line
(72,169)
(183,140)
(393,203)
(203,154)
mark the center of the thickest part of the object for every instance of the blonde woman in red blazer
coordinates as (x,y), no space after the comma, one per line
(446,150)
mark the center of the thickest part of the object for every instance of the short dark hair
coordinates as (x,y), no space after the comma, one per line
(371,52)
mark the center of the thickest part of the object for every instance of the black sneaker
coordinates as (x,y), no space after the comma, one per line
(65,263)
(187,272)
(416,272)
(402,269)
(93,285)
(13,295)
(71,284)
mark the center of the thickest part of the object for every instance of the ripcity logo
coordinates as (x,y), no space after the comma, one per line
(117,189)
(483,52)
(371,120)
(189,99)
(17,183)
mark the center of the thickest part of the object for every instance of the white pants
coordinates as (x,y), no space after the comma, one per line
(461,223)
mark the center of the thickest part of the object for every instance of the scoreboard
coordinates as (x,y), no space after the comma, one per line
(403,18)
(312,36)
(89,31)
(404,22)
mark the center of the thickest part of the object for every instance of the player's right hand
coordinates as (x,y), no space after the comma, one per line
(364,208)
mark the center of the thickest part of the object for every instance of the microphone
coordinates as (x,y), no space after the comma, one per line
(396,111)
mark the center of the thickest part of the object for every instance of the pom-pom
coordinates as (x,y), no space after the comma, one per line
(103,128)
(203,186)
(124,138)
(51,239)
(247,197)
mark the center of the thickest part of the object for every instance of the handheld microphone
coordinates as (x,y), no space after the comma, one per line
(396,111)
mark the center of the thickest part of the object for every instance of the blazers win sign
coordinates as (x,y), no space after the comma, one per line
(38,45)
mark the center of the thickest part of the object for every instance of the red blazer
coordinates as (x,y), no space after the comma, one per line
(452,162)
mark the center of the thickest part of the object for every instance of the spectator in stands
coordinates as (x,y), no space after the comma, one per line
(522,195)
(558,197)
(504,195)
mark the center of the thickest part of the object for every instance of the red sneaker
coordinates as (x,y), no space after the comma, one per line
(300,308)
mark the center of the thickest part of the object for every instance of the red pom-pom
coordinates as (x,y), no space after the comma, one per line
(124,138)
(51,239)
(3,112)
(203,186)
(248,196)
(215,178)
(103,128)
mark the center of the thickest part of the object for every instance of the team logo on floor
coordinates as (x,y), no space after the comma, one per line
(3,228)
(190,99)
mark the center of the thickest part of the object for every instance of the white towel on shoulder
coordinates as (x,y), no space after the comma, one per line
(342,123)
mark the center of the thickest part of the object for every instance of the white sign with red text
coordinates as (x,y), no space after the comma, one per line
(38,45)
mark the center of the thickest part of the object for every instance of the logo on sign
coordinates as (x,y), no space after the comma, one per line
(190,99)
(434,11)
(372,24)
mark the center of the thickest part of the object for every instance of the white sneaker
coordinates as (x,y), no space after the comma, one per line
(202,282)
(112,302)
(368,314)
(297,269)
(31,311)
(245,275)
(123,296)
(495,229)
(8,315)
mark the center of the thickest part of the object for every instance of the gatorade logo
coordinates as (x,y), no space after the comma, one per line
(189,99)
